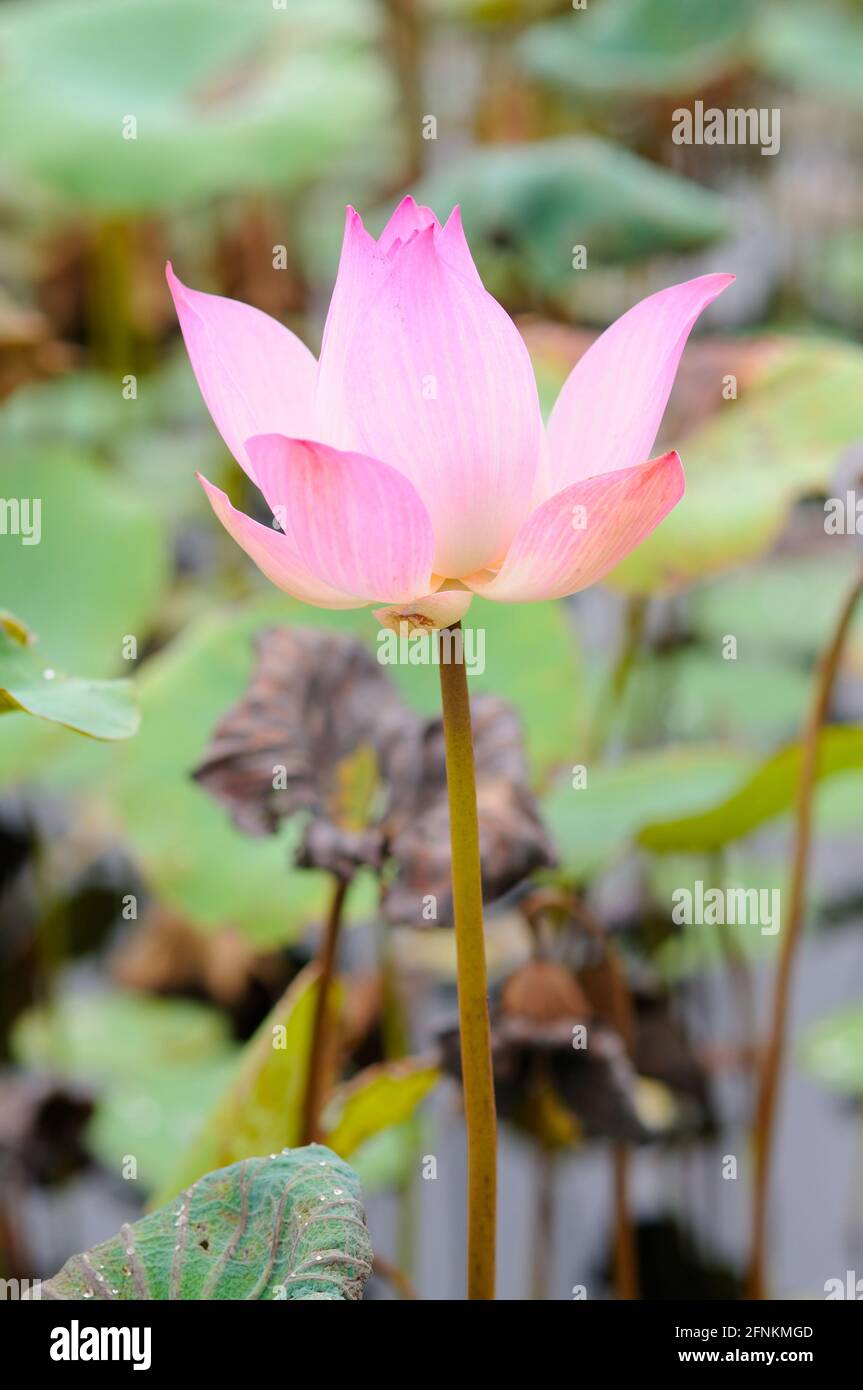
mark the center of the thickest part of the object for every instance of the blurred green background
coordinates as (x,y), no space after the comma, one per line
(227,136)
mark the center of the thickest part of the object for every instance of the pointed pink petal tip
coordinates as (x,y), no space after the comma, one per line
(409,218)
(580,534)
(178,290)
(353,521)
(271,552)
(625,377)
(255,376)
(437,380)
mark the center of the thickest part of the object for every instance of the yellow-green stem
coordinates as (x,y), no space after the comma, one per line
(318,1047)
(477,1079)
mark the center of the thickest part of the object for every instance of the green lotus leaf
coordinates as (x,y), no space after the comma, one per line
(286,1226)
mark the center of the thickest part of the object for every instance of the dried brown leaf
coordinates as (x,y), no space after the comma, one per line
(513,840)
(320,730)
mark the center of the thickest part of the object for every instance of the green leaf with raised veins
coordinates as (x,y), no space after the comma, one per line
(262,1106)
(379,1097)
(832,1051)
(289,1226)
(100,709)
(767,793)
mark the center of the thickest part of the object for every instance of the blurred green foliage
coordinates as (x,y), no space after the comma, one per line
(223,96)
(781,439)
(819,52)
(154,1065)
(637,48)
(102,709)
(526,206)
(832,1051)
(765,795)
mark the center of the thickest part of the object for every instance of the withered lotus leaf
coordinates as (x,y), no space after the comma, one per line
(322,731)
(319,730)
(513,839)
(541,1072)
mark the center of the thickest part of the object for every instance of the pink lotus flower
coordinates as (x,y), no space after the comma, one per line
(409,466)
